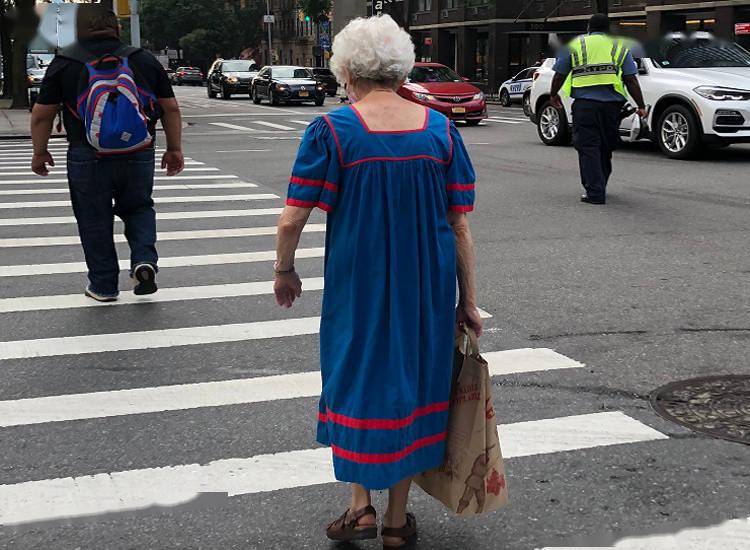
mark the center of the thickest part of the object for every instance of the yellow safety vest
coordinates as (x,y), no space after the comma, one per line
(596,60)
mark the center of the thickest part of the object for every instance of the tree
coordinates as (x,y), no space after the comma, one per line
(6,46)
(314,8)
(24,30)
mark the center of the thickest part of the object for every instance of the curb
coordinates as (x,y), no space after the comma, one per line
(8,137)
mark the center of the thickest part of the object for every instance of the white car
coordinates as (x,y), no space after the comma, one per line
(698,93)
(514,88)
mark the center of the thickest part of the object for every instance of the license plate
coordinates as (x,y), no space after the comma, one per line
(304,94)
(459,110)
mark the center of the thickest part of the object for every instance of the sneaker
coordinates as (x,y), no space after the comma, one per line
(145,276)
(99,297)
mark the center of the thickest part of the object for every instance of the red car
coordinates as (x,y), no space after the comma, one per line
(440,88)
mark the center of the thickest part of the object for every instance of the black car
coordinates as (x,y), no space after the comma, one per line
(230,76)
(325,77)
(188,75)
(285,84)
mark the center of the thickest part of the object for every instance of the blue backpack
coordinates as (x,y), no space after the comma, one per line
(115,111)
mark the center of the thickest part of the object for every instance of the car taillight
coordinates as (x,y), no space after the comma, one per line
(536,75)
(181,73)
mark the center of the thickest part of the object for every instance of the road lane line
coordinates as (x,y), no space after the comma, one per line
(503,121)
(158,200)
(272,125)
(130,490)
(59,171)
(174,294)
(63,408)
(302,122)
(174,261)
(235,127)
(246,151)
(183,187)
(39,179)
(190,235)
(56,220)
(15,164)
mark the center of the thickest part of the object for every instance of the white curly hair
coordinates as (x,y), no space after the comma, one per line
(373,48)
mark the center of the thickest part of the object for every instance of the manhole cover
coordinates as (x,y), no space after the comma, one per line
(715,405)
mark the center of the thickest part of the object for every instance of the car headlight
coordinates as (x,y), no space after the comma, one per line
(232,79)
(280,87)
(320,87)
(423,97)
(718,93)
(479,96)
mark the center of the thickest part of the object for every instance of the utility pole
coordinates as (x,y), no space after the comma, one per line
(135,24)
(270,37)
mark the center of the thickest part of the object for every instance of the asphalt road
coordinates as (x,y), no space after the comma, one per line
(651,288)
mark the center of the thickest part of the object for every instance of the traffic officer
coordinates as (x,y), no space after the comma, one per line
(595,69)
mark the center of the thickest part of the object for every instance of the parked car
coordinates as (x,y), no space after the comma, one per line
(230,76)
(697,91)
(513,89)
(35,71)
(188,75)
(440,88)
(287,84)
(325,77)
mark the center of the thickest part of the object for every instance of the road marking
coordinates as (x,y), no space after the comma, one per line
(158,200)
(272,125)
(234,127)
(302,122)
(246,151)
(14,222)
(503,121)
(65,240)
(63,170)
(278,112)
(40,179)
(155,339)
(50,499)
(185,187)
(174,261)
(729,535)
(175,294)
(14,164)
(63,408)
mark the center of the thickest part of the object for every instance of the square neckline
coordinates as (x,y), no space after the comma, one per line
(412,131)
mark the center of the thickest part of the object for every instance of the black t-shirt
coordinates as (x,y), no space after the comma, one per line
(62,80)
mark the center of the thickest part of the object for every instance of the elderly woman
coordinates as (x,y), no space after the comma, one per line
(396,182)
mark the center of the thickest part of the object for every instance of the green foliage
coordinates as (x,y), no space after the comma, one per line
(314,8)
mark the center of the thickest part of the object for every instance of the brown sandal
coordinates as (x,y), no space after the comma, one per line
(408,532)
(347,527)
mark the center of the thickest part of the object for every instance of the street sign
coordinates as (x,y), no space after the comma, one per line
(269,19)
(742,28)
(325,42)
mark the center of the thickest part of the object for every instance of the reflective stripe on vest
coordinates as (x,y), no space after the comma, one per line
(596,60)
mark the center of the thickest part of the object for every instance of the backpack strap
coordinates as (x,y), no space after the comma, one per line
(125,51)
(76,52)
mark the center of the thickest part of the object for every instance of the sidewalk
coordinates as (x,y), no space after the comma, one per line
(14,123)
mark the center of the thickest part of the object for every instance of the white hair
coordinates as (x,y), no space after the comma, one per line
(373,48)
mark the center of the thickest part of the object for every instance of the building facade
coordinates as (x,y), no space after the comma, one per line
(296,39)
(489,41)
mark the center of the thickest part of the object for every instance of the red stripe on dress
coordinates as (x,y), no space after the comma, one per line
(395,159)
(460,187)
(339,150)
(313,183)
(383,423)
(462,207)
(387,458)
(309,204)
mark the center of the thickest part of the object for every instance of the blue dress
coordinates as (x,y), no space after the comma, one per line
(388,319)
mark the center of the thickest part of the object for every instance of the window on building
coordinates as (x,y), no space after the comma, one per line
(421,5)
(450,4)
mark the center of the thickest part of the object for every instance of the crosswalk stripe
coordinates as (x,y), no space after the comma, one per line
(302,122)
(272,125)
(16,164)
(175,261)
(38,179)
(182,187)
(49,499)
(504,121)
(63,408)
(235,127)
(158,200)
(154,339)
(191,235)
(203,214)
(66,301)
(62,171)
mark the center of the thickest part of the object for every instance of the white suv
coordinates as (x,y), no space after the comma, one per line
(698,92)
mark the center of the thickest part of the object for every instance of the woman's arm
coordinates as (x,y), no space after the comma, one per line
(287,285)
(466,311)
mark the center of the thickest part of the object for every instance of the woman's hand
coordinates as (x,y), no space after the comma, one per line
(469,315)
(287,287)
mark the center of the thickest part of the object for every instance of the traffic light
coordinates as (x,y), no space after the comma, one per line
(307,18)
(122,8)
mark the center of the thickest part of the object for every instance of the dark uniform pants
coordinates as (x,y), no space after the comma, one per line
(596,134)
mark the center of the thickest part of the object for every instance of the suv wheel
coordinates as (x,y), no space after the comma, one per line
(210,91)
(225,93)
(320,101)
(505,98)
(552,125)
(255,96)
(526,102)
(678,134)
(274,99)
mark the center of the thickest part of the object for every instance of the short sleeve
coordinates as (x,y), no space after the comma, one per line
(155,74)
(315,176)
(51,90)
(460,177)
(562,64)
(629,66)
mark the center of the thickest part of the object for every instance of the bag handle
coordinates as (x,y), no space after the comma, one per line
(470,344)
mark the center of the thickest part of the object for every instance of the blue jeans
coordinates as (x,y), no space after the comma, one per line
(95,183)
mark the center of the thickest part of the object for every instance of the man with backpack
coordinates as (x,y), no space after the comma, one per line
(111,98)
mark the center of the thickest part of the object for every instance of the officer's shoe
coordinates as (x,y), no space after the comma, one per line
(588,200)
